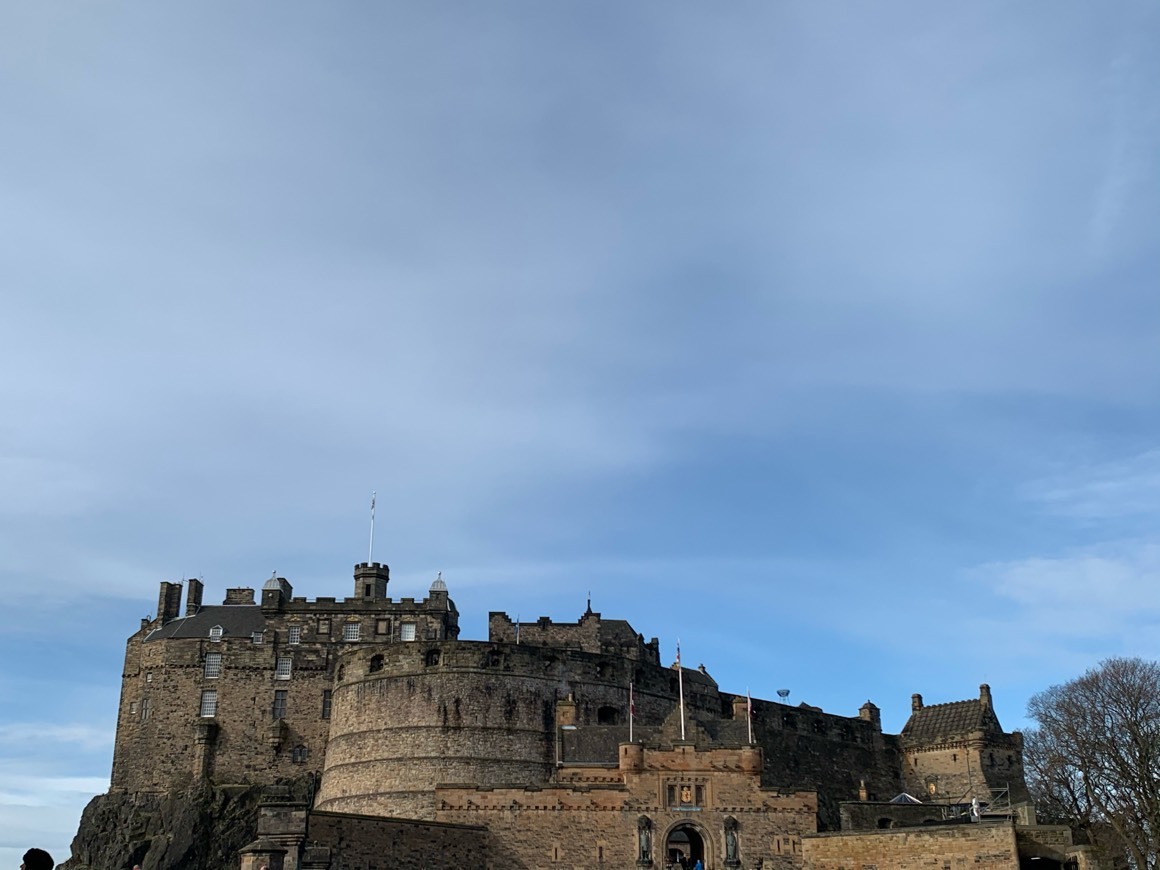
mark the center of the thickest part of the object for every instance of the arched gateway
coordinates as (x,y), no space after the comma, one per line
(685,846)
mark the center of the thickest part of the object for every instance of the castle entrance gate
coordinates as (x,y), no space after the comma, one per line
(684,848)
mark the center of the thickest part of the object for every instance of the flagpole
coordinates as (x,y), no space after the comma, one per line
(631,711)
(749,713)
(681,684)
(371,546)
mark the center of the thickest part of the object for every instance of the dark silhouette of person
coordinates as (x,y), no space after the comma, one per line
(37,859)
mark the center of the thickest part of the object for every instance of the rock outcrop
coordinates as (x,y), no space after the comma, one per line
(201,828)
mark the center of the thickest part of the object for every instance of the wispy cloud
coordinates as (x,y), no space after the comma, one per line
(20,735)
(1109,490)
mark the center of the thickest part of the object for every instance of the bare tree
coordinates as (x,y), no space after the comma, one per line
(1094,760)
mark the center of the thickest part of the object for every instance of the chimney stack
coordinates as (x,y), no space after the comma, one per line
(915,702)
(193,597)
(168,601)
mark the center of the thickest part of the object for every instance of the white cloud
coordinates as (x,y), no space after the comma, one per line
(78,736)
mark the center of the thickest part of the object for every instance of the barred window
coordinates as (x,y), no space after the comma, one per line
(326,702)
(279,711)
(407,631)
(213,666)
(208,703)
(282,668)
(351,631)
(299,754)
(294,636)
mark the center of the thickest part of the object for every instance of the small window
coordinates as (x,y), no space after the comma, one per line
(432,657)
(213,666)
(149,679)
(144,709)
(132,706)
(351,631)
(279,711)
(258,638)
(215,634)
(282,668)
(382,626)
(376,664)
(299,754)
(326,702)
(208,704)
(324,626)
(294,635)
(407,631)
(607,716)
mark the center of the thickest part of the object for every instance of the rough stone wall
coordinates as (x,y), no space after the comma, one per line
(242,743)
(367,843)
(952,847)
(162,741)
(871,816)
(975,766)
(809,749)
(592,827)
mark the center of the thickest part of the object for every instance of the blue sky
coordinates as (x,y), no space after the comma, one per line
(822,336)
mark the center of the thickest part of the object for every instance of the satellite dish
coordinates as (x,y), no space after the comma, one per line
(783,694)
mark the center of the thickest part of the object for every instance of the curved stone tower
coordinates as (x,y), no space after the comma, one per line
(408,716)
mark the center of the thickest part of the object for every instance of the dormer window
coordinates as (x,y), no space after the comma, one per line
(258,638)
(215,634)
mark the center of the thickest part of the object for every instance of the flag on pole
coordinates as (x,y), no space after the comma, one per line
(371,545)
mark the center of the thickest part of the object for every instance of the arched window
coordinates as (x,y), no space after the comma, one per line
(376,664)
(432,657)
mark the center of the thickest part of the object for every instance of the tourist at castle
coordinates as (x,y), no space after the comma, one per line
(37,859)
(698,865)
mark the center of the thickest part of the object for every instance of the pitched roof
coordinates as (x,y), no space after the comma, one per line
(236,620)
(938,722)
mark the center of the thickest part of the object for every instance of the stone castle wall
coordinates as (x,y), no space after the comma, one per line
(978,765)
(977,847)
(163,743)
(408,717)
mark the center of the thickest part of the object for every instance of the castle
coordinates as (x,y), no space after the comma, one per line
(549,745)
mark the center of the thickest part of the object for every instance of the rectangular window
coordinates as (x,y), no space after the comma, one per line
(279,711)
(350,631)
(132,706)
(324,626)
(208,703)
(326,700)
(258,638)
(294,636)
(149,676)
(282,668)
(144,709)
(215,634)
(407,631)
(213,666)
(700,795)
(382,626)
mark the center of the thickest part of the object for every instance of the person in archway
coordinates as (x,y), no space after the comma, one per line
(698,865)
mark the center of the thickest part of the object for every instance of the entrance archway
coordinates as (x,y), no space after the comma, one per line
(684,847)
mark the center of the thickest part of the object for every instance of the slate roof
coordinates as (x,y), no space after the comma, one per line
(236,620)
(937,722)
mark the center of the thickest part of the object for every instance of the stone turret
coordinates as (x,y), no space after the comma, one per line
(370,581)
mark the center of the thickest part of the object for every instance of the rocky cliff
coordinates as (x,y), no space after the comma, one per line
(201,828)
